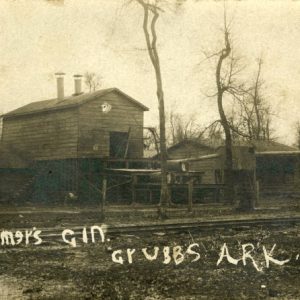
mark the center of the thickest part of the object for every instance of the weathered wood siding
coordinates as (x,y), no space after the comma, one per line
(278,175)
(243,158)
(76,132)
(191,151)
(51,135)
(15,184)
(188,151)
(95,125)
(208,166)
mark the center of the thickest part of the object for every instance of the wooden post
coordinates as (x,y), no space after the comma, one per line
(134,182)
(256,189)
(217,194)
(127,143)
(103,200)
(257,193)
(190,194)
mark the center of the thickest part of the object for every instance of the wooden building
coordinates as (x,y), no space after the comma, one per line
(279,173)
(86,125)
(15,175)
(195,148)
(67,137)
(277,166)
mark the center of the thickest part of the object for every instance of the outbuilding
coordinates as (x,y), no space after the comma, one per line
(276,166)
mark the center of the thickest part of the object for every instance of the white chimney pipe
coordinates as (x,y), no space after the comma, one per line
(77,84)
(60,86)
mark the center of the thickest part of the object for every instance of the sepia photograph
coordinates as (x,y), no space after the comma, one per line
(149,149)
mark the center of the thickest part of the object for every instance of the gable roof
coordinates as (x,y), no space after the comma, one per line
(68,102)
(214,144)
(262,146)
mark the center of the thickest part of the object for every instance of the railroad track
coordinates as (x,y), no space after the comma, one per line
(203,225)
(178,226)
(52,236)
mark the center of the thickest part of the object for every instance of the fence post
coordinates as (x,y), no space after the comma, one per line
(103,200)
(190,194)
(133,184)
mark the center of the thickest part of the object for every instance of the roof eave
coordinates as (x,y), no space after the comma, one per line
(8,115)
(145,108)
(92,97)
(279,153)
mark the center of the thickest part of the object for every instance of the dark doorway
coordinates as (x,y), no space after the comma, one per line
(117,144)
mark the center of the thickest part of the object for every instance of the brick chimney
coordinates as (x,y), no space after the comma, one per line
(60,86)
(77,84)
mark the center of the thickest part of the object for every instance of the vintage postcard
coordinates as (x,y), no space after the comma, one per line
(149,149)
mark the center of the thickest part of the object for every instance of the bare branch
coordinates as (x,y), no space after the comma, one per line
(92,81)
(234,129)
(208,127)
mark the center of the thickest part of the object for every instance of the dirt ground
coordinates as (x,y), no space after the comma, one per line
(55,270)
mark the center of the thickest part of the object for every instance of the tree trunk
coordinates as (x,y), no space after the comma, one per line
(256,102)
(153,54)
(164,195)
(228,172)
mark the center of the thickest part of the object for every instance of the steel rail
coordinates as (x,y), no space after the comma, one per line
(177,227)
(203,225)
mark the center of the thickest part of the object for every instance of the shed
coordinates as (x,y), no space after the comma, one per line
(277,165)
(194,148)
(279,172)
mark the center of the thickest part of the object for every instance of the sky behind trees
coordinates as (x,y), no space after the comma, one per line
(39,38)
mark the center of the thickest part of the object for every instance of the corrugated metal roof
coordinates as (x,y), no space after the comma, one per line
(54,104)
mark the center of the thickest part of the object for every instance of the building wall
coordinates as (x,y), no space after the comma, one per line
(208,166)
(15,185)
(50,135)
(75,132)
(278,174)
(189,150)
(95,125)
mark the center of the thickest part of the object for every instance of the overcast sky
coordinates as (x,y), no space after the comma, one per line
(38,39)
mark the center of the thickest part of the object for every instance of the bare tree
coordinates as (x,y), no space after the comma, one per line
(92,81)
(151,15)
(151,139)
(261,128)
(181,127)
(253,119)
(223,85)
(230,88)
(257,101)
